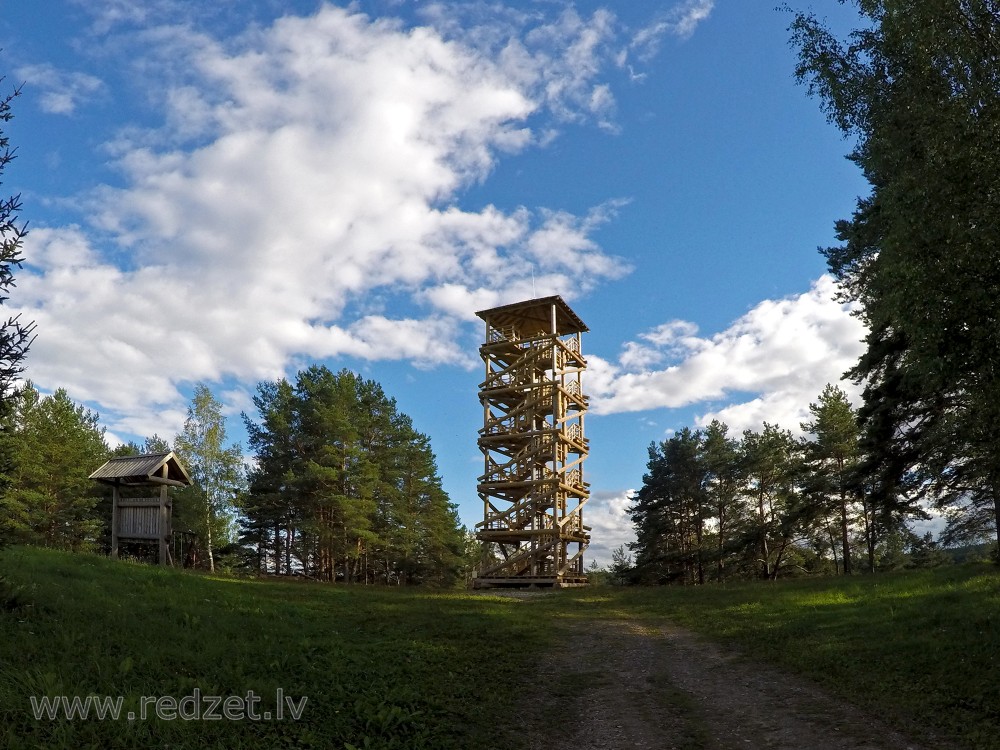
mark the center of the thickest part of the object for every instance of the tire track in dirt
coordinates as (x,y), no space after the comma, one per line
(616,684)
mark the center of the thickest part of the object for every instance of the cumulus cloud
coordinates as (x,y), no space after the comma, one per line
(59,92)
(610,524)
(768,366)
(301,171)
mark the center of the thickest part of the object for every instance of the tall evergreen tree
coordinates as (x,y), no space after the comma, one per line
(336,478)
(772,472)
(918,87)
(670,511)
(425,540)
(57,444)
(832,454)
(15,335)
(724,486)
(270,514)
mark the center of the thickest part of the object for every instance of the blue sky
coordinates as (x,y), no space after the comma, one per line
(226,192)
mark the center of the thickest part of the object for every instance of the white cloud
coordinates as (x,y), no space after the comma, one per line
(782,353)
(303,170)
(679,21)
(684,18)
(59,92)
(558,59)
(610,525)
(111,13)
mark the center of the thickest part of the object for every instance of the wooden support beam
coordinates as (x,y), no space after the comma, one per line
(116,497)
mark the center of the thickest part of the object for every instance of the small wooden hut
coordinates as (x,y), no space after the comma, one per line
(142,519)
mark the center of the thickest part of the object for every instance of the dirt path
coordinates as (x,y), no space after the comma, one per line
(624,686)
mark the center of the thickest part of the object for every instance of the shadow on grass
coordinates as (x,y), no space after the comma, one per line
(381,668)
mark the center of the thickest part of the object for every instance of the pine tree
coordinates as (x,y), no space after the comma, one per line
(724,485)
(269,517)
(15,335)
(621,566)
(670,511)
(832,455)
(770,462)
(57,444)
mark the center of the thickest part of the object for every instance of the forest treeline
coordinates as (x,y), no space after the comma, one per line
(340,486)
(343,486)
(767,504)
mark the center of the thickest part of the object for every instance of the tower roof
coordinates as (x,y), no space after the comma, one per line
(535,316)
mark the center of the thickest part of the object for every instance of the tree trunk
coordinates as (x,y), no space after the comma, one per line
(844,535)
(208,537)
(277,550)
(833,545)
(763,536)
(698,540)
(869,534)
(722,528)
(994,486)
(777,560)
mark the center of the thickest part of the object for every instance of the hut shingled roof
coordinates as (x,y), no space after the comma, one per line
(144,469)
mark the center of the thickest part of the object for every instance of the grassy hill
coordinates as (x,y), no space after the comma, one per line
(381,668)
(410,668)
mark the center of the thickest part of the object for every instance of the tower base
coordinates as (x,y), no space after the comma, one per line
(528,582)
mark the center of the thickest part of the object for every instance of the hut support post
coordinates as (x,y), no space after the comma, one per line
(164,525)
(115,499)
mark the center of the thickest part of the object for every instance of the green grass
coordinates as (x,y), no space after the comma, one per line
(381,668)
(409,668)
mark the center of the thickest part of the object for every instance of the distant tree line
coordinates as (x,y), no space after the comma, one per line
(713,507)
(342,486)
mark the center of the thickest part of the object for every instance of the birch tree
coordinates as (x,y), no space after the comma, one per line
(215,468)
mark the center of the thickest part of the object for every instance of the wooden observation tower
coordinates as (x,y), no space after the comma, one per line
(534,446)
